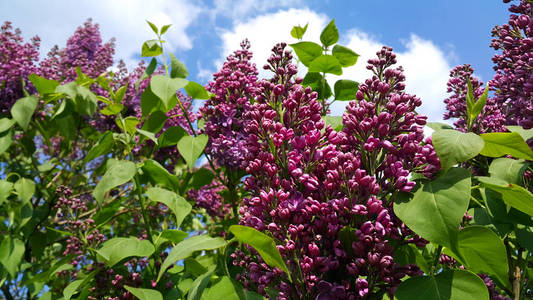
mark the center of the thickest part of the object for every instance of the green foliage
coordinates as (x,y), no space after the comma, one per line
(298,32)
(144,294)
(118,173)
(498,144)
(453,146)
(330,34)
(307,51)
(191,147)
(345,89)
(22,111)
(116,249)
(179,206)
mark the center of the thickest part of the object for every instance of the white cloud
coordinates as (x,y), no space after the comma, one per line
(426,65)
(237,10)
(266,30)
(55,21)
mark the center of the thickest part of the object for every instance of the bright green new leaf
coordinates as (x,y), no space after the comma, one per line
(326,64)
(6,140)
(437,207)
(116,249)
(147,135)
(448,285)
(330,34)
(453,146)
(345,89)
(512,194)
(345,55)
(154,28)
(5,190)
(25,189)
(102,146)
(165,89)
(22,111)
(438,126)
(147,72)
(478,106)
(334,121)
(188,247)
(112,109)
(469,100)
(484,252)
(229,289)
(307,51)
(200,283)
(196,91)
(179,206)
(11,254)
(179,70)
(128,124)
(298,32)
(525,133)
(165,28)
(119,173)
(314,80)
(6,124)
(262,243)
(498,144)
(151,48)
(171,136)
(508,170)
(44,86)
(144,294)
(191,148)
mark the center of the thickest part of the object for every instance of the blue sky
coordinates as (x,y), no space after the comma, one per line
(430,37)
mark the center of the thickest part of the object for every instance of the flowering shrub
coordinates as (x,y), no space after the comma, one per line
(102,194)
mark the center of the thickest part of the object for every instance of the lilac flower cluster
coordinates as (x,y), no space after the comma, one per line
(325,195)
(513,82)
(85,50)
(17,61)
(209,198)
(233,87)
(491,118)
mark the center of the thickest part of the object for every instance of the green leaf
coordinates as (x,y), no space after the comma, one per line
(508,170)
(200,284)
(116,249)
(119,173)
(128,124)
(147,134)
(147,72)
(438,126)
(6,140)
(229,289)
(22,111)
(171,136)
(307,51)
(155,122)
(102,146)
(196,91)
(191,148)
(326,64)
(484,252)
(150,102)
(512,194)
(160,175)
(25,189)
(330,34)
(6,124)
(44,86)
(525,133)
(43,276)
(298,32)
(173,235)
(448,285)
(154,28)
(410,254)
(469,101)
(165,89)
(505,143)
(345,89)
(11,254)
(345,55)
(71,289)
(144,294)
(334,121)
(118,96)
(478,106)
(201,178)
(188,247)
(112,109)
(5,190)
(179,206)
(453,147)
(165,28)
(437,207)
(262,243)
(179,70)
(151,48)
(314,80)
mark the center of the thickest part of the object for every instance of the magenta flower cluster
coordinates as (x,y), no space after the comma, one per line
(325,195)
(513,82)
(17,61)
(233,87)
(491,118)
